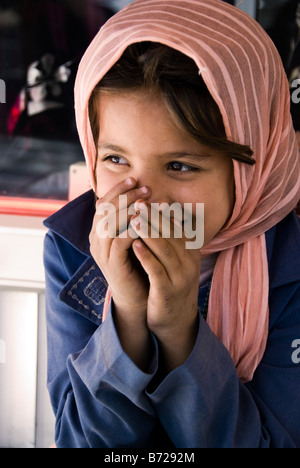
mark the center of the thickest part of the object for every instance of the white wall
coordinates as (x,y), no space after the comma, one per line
(26,417)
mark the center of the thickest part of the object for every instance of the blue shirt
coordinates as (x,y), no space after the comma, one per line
(101,399)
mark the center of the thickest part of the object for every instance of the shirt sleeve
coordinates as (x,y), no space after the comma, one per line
(204,404)
(97,393)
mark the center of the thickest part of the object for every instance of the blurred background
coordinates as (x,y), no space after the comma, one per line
(42,167)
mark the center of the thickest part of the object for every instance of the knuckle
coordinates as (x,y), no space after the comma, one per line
(158,271)
(168,252)
(117,245)
(193,271)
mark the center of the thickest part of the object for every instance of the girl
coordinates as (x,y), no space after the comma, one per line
(152,344)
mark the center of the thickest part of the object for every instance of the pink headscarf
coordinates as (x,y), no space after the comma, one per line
(244,74)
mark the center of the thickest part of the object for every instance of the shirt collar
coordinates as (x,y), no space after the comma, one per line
(86,289)
(74,221)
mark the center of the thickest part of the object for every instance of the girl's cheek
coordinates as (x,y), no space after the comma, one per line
(104,182)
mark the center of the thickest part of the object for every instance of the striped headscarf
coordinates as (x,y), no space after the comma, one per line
(244,74)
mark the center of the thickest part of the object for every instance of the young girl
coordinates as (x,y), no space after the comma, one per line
(152,344)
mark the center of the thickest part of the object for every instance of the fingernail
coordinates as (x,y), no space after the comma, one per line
(129,181)
(139,244)
(144,189)
(140,206)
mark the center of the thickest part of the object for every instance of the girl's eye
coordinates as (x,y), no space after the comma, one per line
(116,160)
(181,167)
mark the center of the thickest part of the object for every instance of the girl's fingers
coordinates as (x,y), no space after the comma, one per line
(113,223)
(152,225)
(122,196)
(113,211)
(164,223)
(173,223)
(120,247)
(170,251)
(156,250)
(118,189)
(158,275)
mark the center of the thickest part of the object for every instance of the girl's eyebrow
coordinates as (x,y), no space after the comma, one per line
(171,155)
(112,147)
(187,155)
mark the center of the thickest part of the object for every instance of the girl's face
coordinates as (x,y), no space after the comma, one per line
(139,139)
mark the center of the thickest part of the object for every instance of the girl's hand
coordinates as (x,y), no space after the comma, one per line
(174,272)
(127,280)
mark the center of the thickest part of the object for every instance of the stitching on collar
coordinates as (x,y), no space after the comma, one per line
(75,297)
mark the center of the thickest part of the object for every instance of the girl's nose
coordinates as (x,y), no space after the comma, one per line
(160,192)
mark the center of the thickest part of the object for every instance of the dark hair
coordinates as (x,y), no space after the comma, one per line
(159,68)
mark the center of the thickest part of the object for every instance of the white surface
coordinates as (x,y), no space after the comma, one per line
(18,374)
(78,180)
(21,252)
(26,417)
